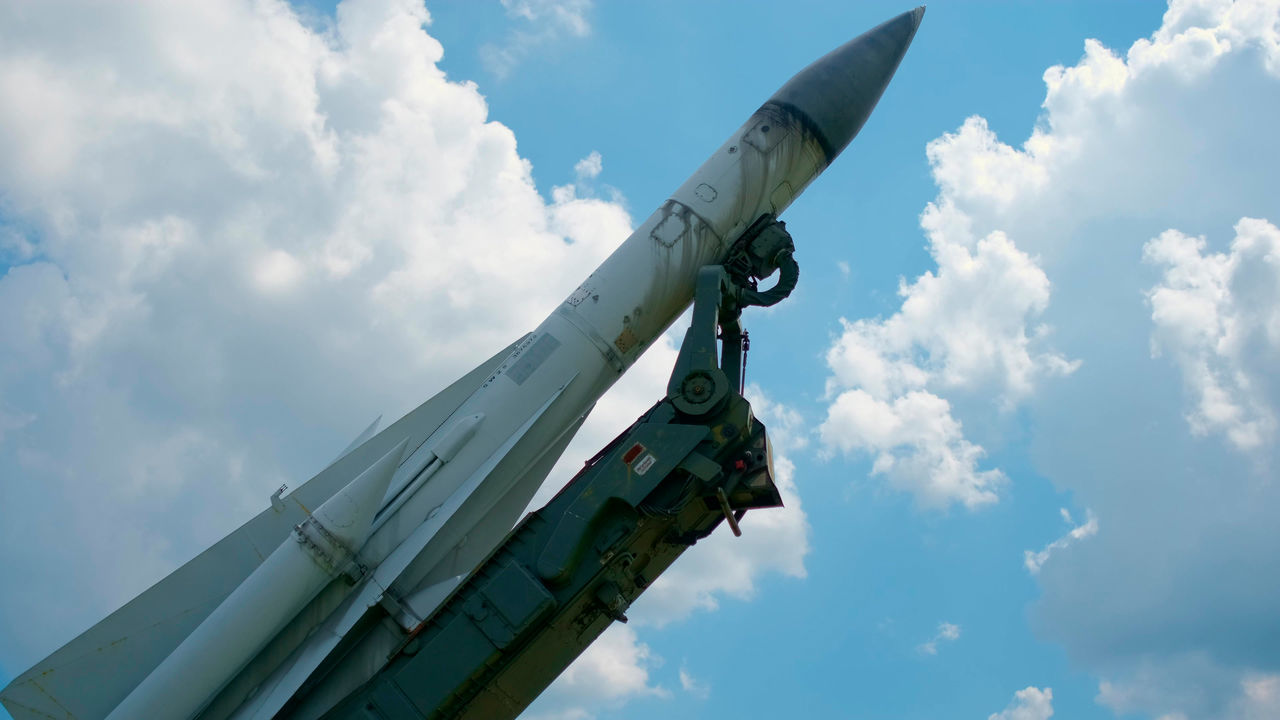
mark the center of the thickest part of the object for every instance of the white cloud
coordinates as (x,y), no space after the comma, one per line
(10,422)
(612,670)
(1218,315)
(1030,703)
(584,187)
(1192,685)
(968,329)
(567,14)
(916,443)
(947,632)
(14,246)
(1033,561)
(787,428)
(1259,697)
(589,167)
(692,685)
(277,271)
(1175,133)
(541,23)
(971,166)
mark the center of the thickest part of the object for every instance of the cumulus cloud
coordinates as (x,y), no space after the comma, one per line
(693,685)
(589,167)
(916,443)
(1030,703)
(970,328)
(947,632)
(1128,145)
(1033,561)
(613,670)
(539,24)
(1218,316)
(1192,685)
(584,187)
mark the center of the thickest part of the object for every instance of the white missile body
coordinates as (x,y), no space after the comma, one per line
(472,457)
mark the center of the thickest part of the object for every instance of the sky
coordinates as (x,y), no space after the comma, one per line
(1024,397)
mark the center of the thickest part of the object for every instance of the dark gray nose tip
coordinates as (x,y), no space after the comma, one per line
(835,95)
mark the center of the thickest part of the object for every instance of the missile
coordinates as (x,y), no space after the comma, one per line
(466,462)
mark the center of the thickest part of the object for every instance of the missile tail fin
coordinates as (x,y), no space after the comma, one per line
(360,439)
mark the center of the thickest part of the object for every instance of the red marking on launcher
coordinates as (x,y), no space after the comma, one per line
(632,454)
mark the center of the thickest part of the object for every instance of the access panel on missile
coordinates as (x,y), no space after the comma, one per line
(420,505)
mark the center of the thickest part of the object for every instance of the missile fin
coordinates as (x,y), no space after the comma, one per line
(347,516)
(360,440)
(503,516)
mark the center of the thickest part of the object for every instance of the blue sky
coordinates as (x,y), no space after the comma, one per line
(1024,395)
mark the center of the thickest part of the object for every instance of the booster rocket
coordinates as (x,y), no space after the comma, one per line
(373,543)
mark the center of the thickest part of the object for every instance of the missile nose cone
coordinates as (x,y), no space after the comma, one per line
(835,95)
